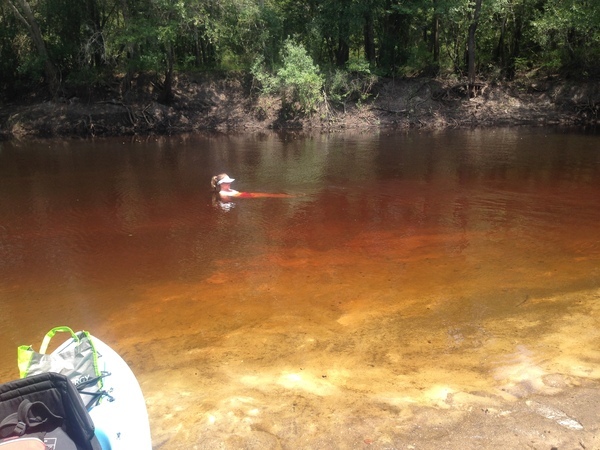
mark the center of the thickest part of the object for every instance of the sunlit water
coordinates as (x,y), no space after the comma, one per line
(405,269)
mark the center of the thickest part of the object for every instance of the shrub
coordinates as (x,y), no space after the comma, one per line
(352,85)
(297,81)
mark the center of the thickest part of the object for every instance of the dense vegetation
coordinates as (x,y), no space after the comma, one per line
(303,49)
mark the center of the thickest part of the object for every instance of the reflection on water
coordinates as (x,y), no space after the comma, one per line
(411,269)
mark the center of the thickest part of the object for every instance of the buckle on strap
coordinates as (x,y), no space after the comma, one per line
(20,428)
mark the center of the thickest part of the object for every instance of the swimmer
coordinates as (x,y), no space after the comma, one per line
(221,184)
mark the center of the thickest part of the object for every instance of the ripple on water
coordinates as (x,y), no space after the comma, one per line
(407,277)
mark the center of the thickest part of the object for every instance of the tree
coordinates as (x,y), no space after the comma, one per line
(23,12)
(569,31)
(471,51)
(88,40)
(435,36)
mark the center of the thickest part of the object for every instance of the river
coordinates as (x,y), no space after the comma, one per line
(403,270)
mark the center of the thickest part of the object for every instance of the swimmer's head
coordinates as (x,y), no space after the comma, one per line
(218,180)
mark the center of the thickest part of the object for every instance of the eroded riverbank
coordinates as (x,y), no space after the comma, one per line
(228,104)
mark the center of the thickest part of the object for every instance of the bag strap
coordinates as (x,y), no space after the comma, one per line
(50,334)
(95,396)
(9,423)
(37,414)
(29,418)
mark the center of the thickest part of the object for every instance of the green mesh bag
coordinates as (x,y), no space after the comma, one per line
(76,358)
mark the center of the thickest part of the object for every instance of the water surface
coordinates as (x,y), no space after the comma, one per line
(418,269)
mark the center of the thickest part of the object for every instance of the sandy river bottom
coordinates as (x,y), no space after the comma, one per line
(243,360)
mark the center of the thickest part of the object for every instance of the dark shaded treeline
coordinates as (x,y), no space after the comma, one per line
(67,46)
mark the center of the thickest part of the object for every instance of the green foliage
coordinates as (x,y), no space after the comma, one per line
(352,85)
(359,65)
(31,67)
(9,53)
(249,29)
(390,37)
(570,30)
(297,81)
(266,82)
(417,60)
(522,65)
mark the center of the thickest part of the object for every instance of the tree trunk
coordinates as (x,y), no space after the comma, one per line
(471,47)
(369,36)
(131,51)
(25,15)
(342,53)
(435,38)
(516,48)
(197,48)
(167,94)
(97,56)
(342,50)
(499,54)
(391,44)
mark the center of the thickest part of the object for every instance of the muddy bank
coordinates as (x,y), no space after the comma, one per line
(230,105)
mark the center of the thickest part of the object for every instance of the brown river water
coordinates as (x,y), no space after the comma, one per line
(417,270)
